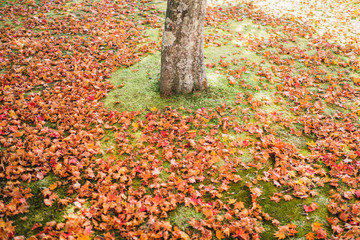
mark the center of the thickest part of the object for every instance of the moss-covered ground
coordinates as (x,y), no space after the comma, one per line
(250,74)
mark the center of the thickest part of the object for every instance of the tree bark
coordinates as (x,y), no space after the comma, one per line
(182,57)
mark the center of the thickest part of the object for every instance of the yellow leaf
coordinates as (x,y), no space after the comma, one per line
(356,79)
(205,120)
(315,226)
(12,113)
(2,223)
(300,181)
(280,235)
(327,179)
(231,201)
(153,109)
(84,237)
(58,167)
(53,186)
(135,125)
(311,144)
(89,146)
(219,234)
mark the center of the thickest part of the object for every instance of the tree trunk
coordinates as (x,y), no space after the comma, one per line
(182,57)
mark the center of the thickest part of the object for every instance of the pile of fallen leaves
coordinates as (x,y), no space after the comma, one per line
(57,57)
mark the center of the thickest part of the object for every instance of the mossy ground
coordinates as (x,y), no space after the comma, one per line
(38,212)
(139,89)
(182,215)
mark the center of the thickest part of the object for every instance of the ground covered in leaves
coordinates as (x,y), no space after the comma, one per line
(88,149)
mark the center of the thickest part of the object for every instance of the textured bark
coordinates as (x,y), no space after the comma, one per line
(182,57)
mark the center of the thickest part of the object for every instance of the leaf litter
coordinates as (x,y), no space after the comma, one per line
(174,158)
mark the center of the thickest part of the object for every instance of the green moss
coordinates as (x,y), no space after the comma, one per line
(159,4)
(293,211)
(7,23)
(247,27)
(220,163)
(262,95)
(136,183)
(52,125)
(147,73)
(164,175)
(301,43)
(38,214)
(132,97)
(239,192)
(286,136)
(38,211)
(305,151)
(141,91)
(331,109)
(108,142)
(270,108)
(39,88)
(181,216)
(152,33)
(247,157)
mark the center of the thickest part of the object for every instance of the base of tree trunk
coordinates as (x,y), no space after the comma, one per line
(182,57)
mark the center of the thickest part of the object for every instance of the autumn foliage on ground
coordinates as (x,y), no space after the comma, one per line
(56,59)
